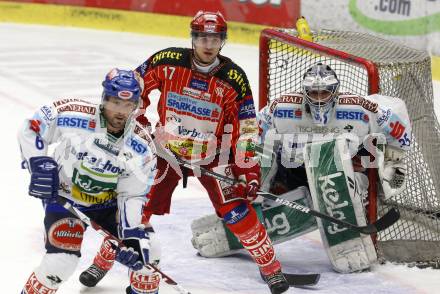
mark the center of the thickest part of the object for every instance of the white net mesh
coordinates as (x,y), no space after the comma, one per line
(403,72)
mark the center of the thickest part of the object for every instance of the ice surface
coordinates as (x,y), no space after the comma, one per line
(39,64)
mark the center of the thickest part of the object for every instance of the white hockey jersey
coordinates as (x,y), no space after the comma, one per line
(352,115)
(95,168)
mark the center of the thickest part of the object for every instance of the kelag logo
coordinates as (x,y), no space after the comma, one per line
(397,17)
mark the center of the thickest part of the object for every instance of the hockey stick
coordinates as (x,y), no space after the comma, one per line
(84,218)
(381,224)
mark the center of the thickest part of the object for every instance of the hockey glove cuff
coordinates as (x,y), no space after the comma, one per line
(129,258)
(140,233)
(44,177)
(249,181)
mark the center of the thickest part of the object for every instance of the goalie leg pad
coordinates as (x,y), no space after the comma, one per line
(211,238)
(335,192)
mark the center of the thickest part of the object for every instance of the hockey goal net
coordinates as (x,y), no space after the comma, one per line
(366,64)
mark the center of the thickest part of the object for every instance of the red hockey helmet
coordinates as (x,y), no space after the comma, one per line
(209,22)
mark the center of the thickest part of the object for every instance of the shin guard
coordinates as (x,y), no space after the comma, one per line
(105,258)
(243,222)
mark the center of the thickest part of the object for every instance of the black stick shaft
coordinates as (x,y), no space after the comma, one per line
(387,220)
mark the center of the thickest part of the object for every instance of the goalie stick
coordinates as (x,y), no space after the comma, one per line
(381,224)
(67,205)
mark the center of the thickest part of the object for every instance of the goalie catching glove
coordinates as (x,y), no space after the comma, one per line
(392,172)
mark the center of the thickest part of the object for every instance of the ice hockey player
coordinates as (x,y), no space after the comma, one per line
(321,114)
(205,110)
(103,163)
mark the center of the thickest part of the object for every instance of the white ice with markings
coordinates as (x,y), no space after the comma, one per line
(39,64)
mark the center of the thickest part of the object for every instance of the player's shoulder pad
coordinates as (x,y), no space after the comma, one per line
(235,76)
(378,98)
(75,105)
(290,98)
(352,99)
(46,114)
(172,56)
(169,56)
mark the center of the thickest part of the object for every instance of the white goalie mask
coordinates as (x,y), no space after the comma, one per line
(320,87)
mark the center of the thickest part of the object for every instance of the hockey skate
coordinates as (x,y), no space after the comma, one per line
(276,281)
(91,276)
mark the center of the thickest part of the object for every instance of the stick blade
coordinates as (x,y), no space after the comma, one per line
(388,219)
(382,223)
(299,280)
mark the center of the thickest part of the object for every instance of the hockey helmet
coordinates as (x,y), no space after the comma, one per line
(123,84)
(209,23)
(320,88)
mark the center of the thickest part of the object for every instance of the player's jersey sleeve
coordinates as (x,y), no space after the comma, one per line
(265,120)
(37,132)
(139,162)
(392,120)
(242,115)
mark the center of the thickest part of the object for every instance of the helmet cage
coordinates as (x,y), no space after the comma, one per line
(320,81)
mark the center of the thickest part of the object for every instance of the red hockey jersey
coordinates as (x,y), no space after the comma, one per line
(199,111)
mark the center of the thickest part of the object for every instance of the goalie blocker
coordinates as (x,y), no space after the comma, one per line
(335,190)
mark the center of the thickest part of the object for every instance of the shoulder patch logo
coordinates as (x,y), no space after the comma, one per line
(168,54)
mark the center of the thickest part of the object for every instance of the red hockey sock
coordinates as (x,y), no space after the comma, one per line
(106,255)
(142,282)
(254,238)
(34,286)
